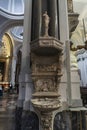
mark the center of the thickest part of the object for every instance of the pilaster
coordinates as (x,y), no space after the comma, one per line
(24,84)
(63,20)
(13,70)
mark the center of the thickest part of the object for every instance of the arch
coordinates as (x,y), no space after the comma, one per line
(9,24)
(6,53)
(11,16)
(10,41)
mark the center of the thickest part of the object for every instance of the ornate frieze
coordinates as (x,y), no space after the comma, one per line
(46,122)
(46,73)
(45,85)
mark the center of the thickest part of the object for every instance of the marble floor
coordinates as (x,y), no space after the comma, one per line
(7,111)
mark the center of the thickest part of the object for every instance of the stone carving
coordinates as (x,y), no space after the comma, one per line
(46,121)
(46,58)
(73,22)
(45,85)
(73,59)
(46,75)
(46,23)
(47,68)
(46,46)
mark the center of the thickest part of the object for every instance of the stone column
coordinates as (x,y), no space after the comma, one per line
(53,13)
(36,19)
(64,36)
(63,20)
(68,73)
(24,82)
(28,93)
(25,65)
(19,108)
(13,69)
(26,50)
(75,81)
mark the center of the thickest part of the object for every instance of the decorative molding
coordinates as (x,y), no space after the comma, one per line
(46,46)
(73,21)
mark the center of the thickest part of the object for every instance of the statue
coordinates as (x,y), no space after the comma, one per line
(73,59)
(46,23)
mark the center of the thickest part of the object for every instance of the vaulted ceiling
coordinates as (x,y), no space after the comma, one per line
(12,6)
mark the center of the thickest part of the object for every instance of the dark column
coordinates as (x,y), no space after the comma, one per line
(36,19)
(18,118)
(30,121)
(53,14)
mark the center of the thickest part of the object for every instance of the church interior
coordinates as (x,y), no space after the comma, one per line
(43,65)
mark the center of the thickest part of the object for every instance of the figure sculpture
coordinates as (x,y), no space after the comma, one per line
(73,59)
(46,23)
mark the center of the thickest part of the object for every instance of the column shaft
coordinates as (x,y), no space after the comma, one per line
(13,70)
(53,13)
(36,19)
(26,58)
(63,20)
(25,65)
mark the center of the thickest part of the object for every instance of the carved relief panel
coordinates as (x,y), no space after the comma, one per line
(46,75)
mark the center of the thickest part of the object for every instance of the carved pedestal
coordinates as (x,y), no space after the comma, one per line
(46,73)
